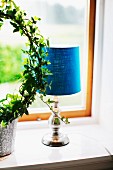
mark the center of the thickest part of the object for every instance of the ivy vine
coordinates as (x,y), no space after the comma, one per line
(35,73)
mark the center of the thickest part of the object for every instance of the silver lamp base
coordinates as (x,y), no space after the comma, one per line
(55,140)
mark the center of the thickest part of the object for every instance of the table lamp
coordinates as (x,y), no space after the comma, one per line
(65,80)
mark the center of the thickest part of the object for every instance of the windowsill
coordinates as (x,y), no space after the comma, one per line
(89,145)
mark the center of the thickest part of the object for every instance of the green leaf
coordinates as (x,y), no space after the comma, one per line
(49,101)
(3,123)
(56,121)
(1,19)
(67,121)
(48,43)
(48,62)
(2,100)
(16,29)
(36,18)
(1,24)
(13,24)
(62,118)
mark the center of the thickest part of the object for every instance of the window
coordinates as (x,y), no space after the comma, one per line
(64,22)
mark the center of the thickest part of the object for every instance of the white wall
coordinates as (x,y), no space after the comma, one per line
(105,58)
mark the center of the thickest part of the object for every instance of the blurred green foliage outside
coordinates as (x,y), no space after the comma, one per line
(10,63)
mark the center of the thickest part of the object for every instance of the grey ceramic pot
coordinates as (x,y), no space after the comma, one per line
(7,138)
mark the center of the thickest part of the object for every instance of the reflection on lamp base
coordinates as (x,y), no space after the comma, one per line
(55,140)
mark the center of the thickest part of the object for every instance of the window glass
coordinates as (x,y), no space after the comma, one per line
(65,23)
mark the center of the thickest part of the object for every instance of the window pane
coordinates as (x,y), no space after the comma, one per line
(65,23)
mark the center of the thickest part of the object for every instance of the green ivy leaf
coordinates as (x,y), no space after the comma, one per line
(56,121)
(67,121)
(1,101)
(48,43)
(13,24)
(3,123)
(16,29)
(49,101)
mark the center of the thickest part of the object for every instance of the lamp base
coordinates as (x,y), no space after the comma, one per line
(55,140)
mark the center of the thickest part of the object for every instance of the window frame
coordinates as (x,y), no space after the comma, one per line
(87,111)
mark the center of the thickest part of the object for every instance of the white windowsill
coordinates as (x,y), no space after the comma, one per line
(89,145)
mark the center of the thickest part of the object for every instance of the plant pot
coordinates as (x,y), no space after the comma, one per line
(7,138)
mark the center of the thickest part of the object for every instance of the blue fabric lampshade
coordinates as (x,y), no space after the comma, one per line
(65,68)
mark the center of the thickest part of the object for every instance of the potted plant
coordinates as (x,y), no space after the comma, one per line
(34,76)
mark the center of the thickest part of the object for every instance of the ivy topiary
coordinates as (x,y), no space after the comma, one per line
(35,71)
